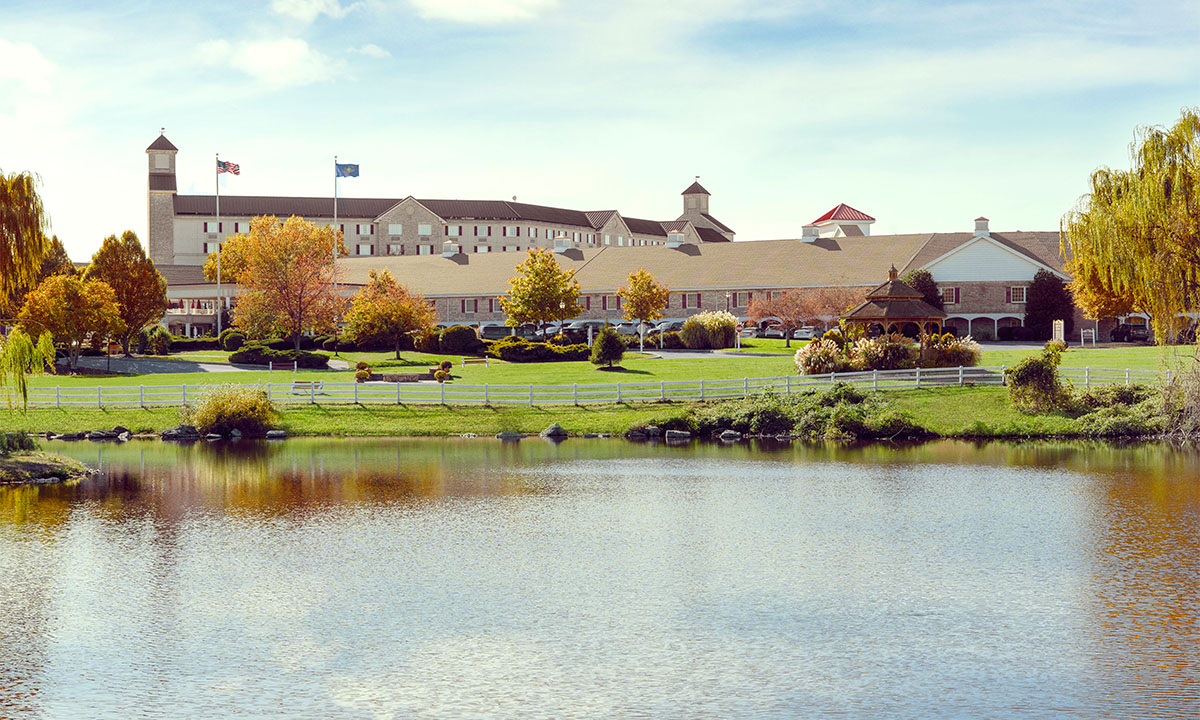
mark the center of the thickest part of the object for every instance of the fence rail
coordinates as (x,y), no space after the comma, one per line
(319,392)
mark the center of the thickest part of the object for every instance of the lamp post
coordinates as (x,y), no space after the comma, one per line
(727,296)
(562,315)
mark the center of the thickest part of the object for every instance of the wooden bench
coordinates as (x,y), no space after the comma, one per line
(310,387)
(476,361)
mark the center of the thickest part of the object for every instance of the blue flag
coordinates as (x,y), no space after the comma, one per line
(346,169)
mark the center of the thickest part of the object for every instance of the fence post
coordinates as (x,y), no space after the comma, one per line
(918,377)
(662,390)
(1003,376)
(832,375)
(312,393)
(1126,377)
(745,387)
(295,366)
(1087,375)
(874,379)
(442,389)
(58,397)
(960,375)
(270,366)
(575,393)
(1168,377)
(355,392)
(397,392)
(531,393)
(464,360)
(100,396)
(485,394)
(787,384)
(142,394)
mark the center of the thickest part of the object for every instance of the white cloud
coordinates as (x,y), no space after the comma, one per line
(22,63)
(278,63)
(308,10)
(482,12)
(372,50)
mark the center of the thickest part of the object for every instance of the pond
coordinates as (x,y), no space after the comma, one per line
(595,579)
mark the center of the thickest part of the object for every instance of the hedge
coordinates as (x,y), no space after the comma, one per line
(520,350)
(182,344)
(256,353)
(460,340)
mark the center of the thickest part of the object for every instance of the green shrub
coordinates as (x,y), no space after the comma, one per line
(835,336)
(181,344)
(11,442)
(362,365)
(446,365)
(1123,421)
(460,340)
(427,341)
(158,341)
(841,393)
(330,345)
(230,407)
(1105,396)
(1033,384)
(819,357)
(1055,345)
(672,341)
(520,350)
(608,347)
(441,376)
(362,375)
(232,341)
(255,353)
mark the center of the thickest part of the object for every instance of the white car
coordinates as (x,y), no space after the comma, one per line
(804,333)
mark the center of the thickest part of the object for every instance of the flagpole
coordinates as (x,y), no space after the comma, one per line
(217,183)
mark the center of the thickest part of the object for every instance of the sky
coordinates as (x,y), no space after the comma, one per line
(921,114)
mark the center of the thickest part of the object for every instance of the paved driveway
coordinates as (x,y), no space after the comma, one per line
(143,366)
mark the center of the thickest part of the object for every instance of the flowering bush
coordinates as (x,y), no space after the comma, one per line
(955,352)
(820,356)
(709,330)
(886,352)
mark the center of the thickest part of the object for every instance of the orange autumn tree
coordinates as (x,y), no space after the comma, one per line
(288,279)
(385,311)
(72,311)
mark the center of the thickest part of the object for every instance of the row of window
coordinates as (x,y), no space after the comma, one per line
(1014,294)
(424,249)
(234,227)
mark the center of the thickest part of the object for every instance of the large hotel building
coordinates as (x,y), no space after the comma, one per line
(461,253)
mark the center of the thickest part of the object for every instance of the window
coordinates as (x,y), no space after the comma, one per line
(469,307)
(511,231)
(364,229)
(603,302)
(454,230)
(511,248)
(211,247)
(491,304)
(483,248)
(949,295)
(395,249)
(424,229)
(620,240)
(1016,295)
(363,249)
(533,232)
(162,161)
(617,300)
(395,229)
(424,249)
(608,239)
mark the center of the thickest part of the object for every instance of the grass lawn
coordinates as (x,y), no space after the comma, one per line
(977,411)
(1132,357)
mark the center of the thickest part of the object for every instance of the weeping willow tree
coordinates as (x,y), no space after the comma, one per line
(20,358)
(1134,240)
(23,242)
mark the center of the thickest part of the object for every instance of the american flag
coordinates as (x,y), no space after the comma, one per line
(229,167)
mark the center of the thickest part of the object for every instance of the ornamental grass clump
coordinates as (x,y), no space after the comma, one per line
(819,357)
(955,351)
(225,408)
(705,330)
(886,352)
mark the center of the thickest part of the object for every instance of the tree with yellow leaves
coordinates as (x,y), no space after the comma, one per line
(541,292)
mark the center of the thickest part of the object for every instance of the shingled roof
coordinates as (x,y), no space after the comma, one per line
(695,189)
(846,213)
(162,143)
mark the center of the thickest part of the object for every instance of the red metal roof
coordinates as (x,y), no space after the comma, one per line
(845,212)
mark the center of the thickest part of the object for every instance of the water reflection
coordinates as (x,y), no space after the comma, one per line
(447,578)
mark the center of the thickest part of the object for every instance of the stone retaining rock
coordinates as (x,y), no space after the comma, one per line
(678,435)
(730,435)
(276,435)
(182,432)
(554,431)
(509,436)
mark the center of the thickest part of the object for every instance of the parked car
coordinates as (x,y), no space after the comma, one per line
(807,332)
(1126,332)
(495,332)
(577,332)
(771,331)
(626,328)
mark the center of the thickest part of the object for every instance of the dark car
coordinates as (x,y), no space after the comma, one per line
(626,328)
(1130,333)
(495,332)
(577,332)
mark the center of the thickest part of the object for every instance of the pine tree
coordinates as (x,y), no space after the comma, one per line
(922,281)
(607,347)
(1046,300)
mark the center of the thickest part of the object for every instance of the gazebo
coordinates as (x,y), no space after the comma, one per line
(895,307)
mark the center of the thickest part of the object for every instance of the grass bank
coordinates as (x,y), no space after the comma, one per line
(945,411)
(32,467)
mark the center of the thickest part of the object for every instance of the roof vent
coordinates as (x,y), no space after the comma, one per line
(809,233)
(561,243)
(450,249)
(981,227)
(676,239)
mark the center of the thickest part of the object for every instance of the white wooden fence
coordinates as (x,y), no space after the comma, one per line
(459,394)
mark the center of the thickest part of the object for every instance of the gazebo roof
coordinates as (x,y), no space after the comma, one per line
(894,301)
